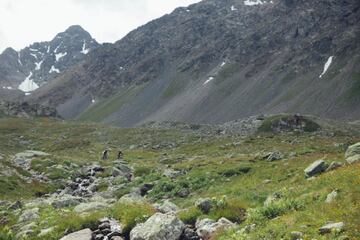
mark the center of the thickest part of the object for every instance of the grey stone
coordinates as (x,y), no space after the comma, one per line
(66,201)
(296,235)
(91,206)
(331,196)
(328,228)
(46,231)
(167,207)
(352,154)
(29,215)
(206,228)
(84,234)
(204,205)
(334,165)
(159,227)
(272,198)
(316,168)
(172,173)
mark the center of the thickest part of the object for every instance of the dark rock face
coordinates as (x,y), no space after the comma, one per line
(24,109)
(41,62)
(221,60)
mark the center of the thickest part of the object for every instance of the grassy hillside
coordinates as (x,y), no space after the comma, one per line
(216,166)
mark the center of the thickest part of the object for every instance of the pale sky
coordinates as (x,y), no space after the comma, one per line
(23,22)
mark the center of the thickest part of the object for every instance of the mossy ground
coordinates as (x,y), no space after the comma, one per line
(216,166)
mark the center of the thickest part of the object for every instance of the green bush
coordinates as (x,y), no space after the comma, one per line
(130,214)
(190,215)
(276,209)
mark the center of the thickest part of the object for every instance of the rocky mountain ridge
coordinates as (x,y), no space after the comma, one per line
(217,61)
(42,62)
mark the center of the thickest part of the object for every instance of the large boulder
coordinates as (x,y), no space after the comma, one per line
(206,228)
(84,234)
(316,168)
(159,227)
(352,154)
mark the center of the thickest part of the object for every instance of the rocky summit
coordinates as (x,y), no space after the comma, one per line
(34,66)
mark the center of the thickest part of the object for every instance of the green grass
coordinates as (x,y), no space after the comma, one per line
(106,107)
(214,167)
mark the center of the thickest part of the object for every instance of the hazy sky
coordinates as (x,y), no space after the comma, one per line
(23,22)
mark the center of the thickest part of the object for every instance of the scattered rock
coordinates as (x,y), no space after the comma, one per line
(183,193)
(352,154)
(331,196)
(272,198)
(273,156)
(145,188)
(207,227)
(46,231)
(204,205)
(108,229)
(26,230)
(172,173)
(296,235)
(91,206)
(167,207)
(16,205)
(29,215)
(333,166)
(84,234)
(66,201)
(316,168)
(189,234)
(160,227)
(328,228)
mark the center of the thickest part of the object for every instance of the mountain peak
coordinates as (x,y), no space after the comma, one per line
(75,29)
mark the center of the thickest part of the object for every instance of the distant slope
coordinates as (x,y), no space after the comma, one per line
(41,62)
(217,61)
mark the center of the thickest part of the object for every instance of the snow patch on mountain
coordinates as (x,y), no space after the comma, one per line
(38,65)
(58,56)
(256,2)
(326,66)
(28,85)
(53,69)
(208,80)
(84,50)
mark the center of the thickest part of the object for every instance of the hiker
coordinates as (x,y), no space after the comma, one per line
(105,154)
(120,155)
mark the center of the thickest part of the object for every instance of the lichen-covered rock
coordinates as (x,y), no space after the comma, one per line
(91,206)
(167,207)
(84,234)
(29,215)
(206,228)
(352,154)
(159,227)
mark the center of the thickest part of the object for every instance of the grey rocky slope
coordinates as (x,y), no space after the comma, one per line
(221,60)
(41,62)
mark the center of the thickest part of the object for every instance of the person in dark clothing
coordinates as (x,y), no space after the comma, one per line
(105,154)
(120,155)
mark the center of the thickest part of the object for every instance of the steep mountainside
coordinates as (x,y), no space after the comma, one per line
(41,62)
(220,60)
